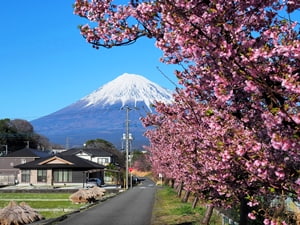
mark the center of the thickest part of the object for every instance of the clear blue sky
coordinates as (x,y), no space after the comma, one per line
(45,64)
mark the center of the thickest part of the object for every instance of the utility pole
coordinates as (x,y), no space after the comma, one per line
(67,143)
(130,138)
(127,144)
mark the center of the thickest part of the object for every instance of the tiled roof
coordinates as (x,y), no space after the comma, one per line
(90,151)
(72,162)
(29,152)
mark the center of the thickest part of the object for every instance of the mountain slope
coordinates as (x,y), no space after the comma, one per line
(101,115)
(127,88)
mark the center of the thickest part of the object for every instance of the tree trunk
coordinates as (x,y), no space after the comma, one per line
(280,208)
(172,183)
(166,181)
(244,212)
(196,199)
(208,213)
(186,196)
(179,191)
(176,186)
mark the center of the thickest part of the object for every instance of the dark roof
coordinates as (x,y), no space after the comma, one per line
(29,152)
(76,163)
(90,151)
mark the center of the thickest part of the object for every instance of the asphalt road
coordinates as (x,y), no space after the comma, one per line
(133,207)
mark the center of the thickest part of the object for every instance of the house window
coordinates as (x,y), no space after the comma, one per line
(103,161)
(62,176)
(25,176)
(42,175)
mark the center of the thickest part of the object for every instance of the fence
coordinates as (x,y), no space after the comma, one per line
(228,221)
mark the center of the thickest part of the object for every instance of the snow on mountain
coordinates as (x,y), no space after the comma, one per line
(100,114)
(128,88)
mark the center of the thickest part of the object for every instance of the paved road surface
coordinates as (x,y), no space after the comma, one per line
(133,207)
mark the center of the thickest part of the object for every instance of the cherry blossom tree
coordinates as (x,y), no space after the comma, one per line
(140,161)
(216,157)
(232,134)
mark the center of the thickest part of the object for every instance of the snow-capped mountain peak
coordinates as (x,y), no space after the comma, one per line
(128,88)
(99,114)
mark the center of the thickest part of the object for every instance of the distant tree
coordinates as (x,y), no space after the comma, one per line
(22,126)
(106,146)
(43,142)
(6,127)
(10,137)
(25,131)
(99,143)
(141,161)
(17,134)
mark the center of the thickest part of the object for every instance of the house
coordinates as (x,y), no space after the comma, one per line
(58,169)
(8,173)
(100,156)
(112,160)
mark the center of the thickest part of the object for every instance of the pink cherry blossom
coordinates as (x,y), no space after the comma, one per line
(232,132)
(252,216)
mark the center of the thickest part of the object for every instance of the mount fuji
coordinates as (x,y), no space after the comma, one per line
(101,114)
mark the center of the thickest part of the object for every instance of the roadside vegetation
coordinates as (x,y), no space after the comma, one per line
(170,210)
(49,205)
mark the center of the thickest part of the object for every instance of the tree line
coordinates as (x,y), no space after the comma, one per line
(17,134)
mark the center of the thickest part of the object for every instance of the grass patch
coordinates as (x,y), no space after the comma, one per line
(51,214)
(185,209)
(35,195)
(45,204)
(169,210)
(49,205)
